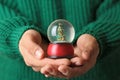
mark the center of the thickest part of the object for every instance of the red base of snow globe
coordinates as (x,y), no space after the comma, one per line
(60,50)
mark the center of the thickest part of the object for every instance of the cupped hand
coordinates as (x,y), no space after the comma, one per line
(33,49)
(86,52)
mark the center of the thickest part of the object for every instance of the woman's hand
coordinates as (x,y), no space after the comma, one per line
(86,52)
(33,50)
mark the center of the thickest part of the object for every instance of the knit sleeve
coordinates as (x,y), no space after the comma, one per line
(12,26)
(106,27)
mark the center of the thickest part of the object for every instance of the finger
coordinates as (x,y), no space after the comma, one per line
(50,70)
(57,62)
(65,70)
(71,72)
(39,53)
(78,61)
(47,70)
(62,61)
(36,69)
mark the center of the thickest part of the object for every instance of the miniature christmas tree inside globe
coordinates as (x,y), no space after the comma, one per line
(60,31)
(61,34)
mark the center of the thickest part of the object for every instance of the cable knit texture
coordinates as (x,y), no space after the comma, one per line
(100,18)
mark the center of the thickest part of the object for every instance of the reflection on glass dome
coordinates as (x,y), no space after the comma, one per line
(60,31)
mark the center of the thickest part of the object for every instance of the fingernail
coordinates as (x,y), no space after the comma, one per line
(77,63)
(46,75)
(38,54)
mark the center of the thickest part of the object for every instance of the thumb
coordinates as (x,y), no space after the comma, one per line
(39,53)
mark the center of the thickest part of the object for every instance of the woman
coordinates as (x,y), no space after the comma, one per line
(23,26)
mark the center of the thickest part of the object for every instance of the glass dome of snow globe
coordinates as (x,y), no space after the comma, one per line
(60,31)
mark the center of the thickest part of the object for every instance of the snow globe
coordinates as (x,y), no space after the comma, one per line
(60,34)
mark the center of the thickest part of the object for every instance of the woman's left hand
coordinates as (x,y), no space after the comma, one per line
(86,52)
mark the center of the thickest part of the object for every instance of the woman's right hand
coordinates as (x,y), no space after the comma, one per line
(33,50)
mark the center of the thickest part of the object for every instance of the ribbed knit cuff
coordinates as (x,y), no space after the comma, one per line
(15,37)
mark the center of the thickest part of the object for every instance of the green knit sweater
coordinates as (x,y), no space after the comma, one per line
(100,18)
